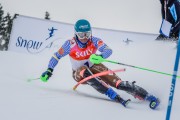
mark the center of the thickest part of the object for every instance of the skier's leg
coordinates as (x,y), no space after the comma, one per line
(131,88)
(139,92)
(98,84)
(113,80)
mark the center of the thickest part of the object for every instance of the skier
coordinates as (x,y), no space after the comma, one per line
(175,13)
(80,48)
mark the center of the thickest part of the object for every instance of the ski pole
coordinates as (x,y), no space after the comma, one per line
(141,68)
(96,60)
(29,80)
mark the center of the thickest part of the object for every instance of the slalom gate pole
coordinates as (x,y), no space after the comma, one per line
(173,83)
(141,68)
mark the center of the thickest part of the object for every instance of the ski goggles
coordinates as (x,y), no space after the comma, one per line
(83,35)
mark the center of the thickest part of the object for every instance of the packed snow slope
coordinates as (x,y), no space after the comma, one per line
(56,100)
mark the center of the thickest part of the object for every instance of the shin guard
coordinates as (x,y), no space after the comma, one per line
(131,88)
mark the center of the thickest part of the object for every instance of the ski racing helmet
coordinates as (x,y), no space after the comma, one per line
(82,29)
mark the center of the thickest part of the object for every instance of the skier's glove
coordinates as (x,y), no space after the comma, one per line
(96,59)
(46,75)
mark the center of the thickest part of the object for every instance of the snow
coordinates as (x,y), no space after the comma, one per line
(56,100)
(2,42)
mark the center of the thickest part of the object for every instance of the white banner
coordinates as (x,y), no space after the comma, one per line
(32,35)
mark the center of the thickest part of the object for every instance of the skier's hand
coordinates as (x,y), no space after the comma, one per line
(46,75)
(96,59)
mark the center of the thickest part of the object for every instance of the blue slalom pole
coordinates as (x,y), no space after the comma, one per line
(173,83)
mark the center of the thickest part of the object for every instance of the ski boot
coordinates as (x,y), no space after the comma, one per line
(154,102)
(122,101)
(114,96)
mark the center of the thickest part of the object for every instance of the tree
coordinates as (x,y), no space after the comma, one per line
(8,21)
(2,26)
(1,14)
(5,29)
(1,17)
(47,15)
